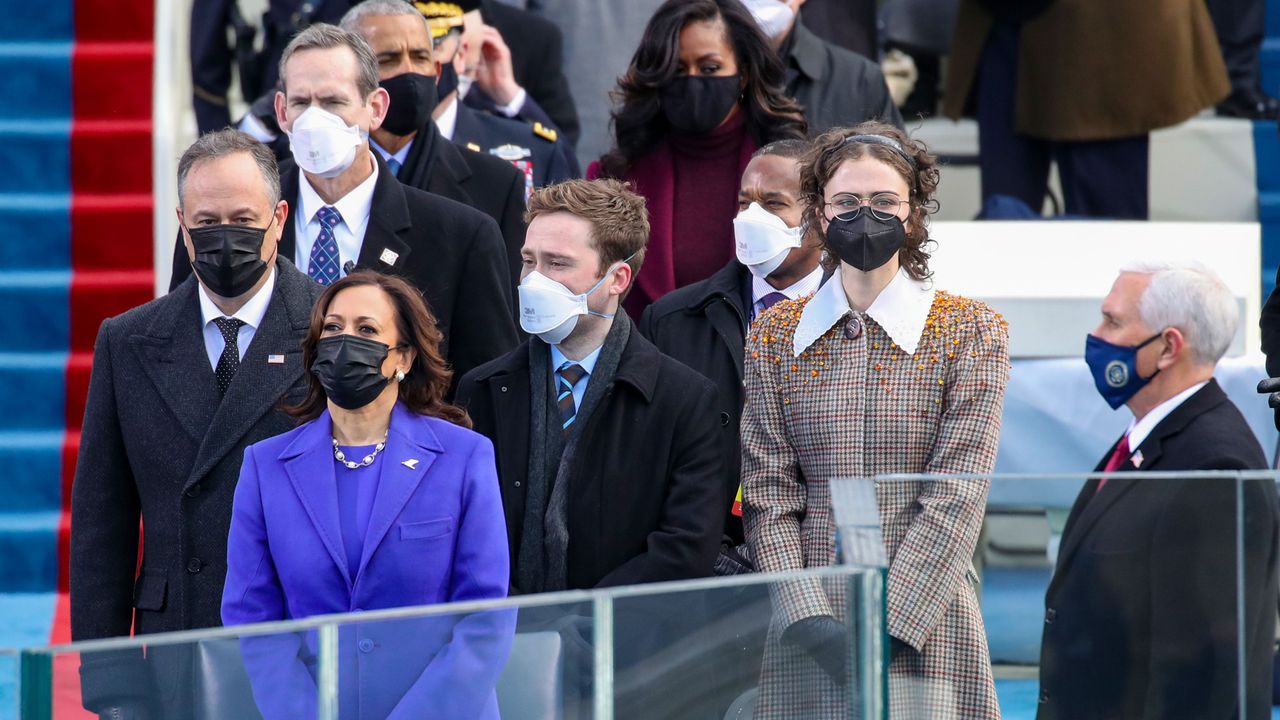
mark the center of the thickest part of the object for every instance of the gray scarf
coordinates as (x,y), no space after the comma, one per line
(544,541)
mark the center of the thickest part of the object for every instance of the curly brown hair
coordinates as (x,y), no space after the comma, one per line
(425,385)
(830,151)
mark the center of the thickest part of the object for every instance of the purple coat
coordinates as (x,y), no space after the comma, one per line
(436,534)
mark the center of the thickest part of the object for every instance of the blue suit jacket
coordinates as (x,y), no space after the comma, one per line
(436,534)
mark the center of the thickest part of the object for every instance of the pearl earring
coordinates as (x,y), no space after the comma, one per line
(399,376)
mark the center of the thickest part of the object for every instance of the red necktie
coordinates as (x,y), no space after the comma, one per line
(1117,459)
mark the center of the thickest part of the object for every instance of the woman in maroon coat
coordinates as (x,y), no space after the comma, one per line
(703,91)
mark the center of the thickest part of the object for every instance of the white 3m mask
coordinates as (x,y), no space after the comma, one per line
(550,310)
(773,16)
(322,143)
(762,240)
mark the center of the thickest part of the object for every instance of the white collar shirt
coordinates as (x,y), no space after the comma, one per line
(1140,429)
(251,314)
(447,123)
(354,207)
(901,308)
(806,285)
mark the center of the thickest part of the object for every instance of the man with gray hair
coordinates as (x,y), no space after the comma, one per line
(179,387)
(351,213)
(1141,614)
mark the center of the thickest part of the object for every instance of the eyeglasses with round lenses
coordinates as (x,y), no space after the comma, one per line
(882,206)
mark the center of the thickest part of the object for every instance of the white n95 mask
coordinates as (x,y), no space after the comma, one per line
(762,240)
(322,143)
(550,310)
(773,16)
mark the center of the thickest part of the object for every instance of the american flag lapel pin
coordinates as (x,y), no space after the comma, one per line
(275,359)
(1137,459)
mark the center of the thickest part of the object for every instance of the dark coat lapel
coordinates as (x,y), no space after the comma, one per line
(508,388)
(308,461)
(729,318)
(1092,504)
(383,249)
(289,191)
(173,356)
(409,438)
(258,384)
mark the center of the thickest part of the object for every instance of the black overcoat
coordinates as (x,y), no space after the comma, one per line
(1140,617)
(158,444)
(647,482)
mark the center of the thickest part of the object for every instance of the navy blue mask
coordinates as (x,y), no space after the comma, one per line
(1115,368)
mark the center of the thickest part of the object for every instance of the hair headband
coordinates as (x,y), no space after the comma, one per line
(883,141)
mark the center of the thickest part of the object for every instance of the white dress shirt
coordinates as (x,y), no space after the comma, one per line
(251,314)
(447,123)
(448,119)
(806,285)
(587,363)
(354,207)
(1140,429)
(901,308)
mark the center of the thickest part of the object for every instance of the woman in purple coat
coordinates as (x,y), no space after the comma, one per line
(382,498)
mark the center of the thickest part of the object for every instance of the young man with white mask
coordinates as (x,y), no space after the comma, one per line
(608,451)
(833,85)
(704,325)
(351,212)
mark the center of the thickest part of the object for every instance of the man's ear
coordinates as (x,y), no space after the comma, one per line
(624,278)
(280,108)
(1175,346)
(186,237)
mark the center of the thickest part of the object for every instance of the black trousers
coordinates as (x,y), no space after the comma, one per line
(1103,178)
(1240,27)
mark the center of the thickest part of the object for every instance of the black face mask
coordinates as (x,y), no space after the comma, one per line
(413,97)
(866,242)
(447,81)
(349,369)
(228,257)
(697,105)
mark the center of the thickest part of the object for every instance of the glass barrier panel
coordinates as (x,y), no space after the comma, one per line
(1128,595)
(9,684)
(640,651)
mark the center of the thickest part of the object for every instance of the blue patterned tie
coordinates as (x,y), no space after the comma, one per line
(323,266)
(567,376)
(394,165)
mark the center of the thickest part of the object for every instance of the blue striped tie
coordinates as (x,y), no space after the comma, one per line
(323,266)
(566,377)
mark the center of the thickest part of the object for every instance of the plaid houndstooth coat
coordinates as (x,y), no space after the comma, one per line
(915,384)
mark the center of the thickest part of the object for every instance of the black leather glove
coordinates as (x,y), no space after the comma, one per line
(826,641)
(125,712)
(1271,386)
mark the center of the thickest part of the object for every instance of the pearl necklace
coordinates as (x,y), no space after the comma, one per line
(368,459)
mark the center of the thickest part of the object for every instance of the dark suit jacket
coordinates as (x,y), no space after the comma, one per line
(159,444)
(1140,617)
(647,482)
(704,326)
(537,58)
(552,160)
(486,183)
(834,86)
(452,253)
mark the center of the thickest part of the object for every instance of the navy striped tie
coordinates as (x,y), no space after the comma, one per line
(567,376)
